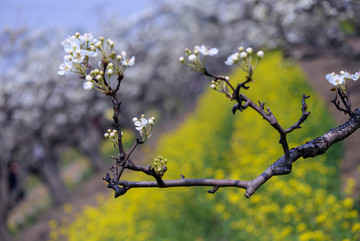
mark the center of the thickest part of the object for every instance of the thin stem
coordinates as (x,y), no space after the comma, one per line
(345,99)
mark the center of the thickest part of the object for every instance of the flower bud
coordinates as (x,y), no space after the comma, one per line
(112,135)
(241,49)
(98,44)
(192,58)
(109,130)
(135,119)
(106,135)
(213,86)
(260,54)
(77,34)
(181,59)
(243,55)
(227,78)
(110,72)
(249,50)
(89,78)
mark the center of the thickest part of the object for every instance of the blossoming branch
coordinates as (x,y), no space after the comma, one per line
(80,48)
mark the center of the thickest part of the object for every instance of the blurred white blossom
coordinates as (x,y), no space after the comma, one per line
(205,51)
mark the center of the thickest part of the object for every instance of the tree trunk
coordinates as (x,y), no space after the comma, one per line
(90,147)
(50,173)
(4,232)
(4,199)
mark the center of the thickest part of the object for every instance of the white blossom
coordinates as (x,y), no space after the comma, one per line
(88,85)
(128,62)
(232,58)
(144,126)
(87,38)
(65,68)
(71,44)
(205,51)
(141,124)
(339,79)
(335,79)
(355,76)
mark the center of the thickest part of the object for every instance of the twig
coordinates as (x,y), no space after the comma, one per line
(304,116)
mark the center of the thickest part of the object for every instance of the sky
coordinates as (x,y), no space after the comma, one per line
(82,14)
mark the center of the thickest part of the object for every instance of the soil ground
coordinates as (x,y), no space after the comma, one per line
(315,69)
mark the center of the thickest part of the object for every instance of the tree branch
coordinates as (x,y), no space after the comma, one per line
(311,148)
(304,116)
(344,99)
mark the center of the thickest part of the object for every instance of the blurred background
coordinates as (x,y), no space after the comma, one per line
(53,155)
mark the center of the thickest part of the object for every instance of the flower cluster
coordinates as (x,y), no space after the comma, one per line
(144,126)
(81,47)
(78,48)
(243,58)
(221,86)
(112,135)
(340,79)
(159,165)
(193,58)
